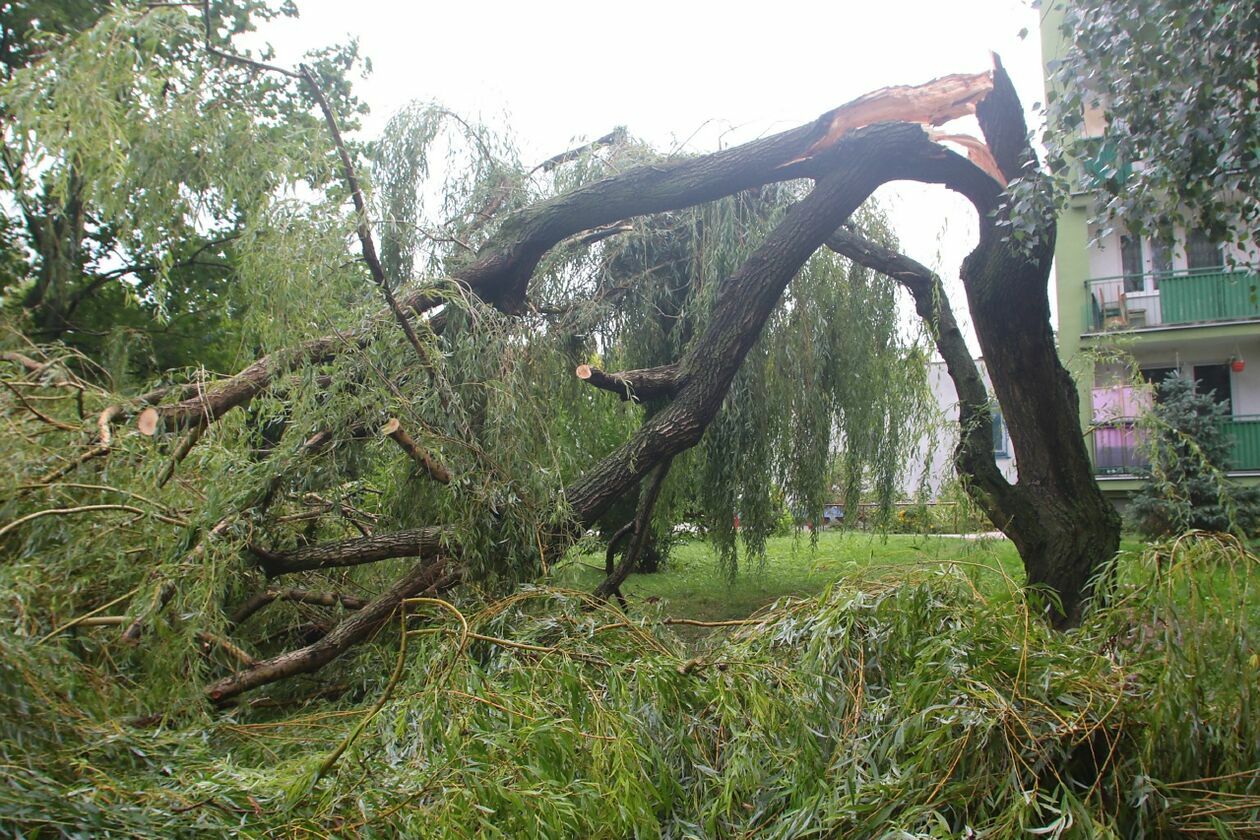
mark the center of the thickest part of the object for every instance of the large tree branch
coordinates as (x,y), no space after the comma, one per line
(426,575)
(503,269)
(501,273)
(417,542)
(637,385)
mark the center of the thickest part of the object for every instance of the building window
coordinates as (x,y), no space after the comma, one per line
(1161,256)
(1131,262)
(999,436)
(1156,376)
(1213,380)
(1202,252)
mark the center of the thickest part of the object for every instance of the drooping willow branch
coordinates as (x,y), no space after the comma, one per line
(975,446)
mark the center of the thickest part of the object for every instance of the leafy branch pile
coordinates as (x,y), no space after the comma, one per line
(879,709)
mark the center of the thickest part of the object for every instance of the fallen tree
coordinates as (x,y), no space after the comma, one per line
(463,437)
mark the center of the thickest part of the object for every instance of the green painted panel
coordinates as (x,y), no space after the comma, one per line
(1246,434)
(1209,296)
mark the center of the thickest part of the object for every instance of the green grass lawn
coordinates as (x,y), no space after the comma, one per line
(693,585)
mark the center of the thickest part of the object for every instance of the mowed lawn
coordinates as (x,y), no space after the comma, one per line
(694,585)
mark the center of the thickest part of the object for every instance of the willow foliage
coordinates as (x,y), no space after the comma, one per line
(922,708)
(132,118)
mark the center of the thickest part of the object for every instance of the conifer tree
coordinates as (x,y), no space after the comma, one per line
(1186,484)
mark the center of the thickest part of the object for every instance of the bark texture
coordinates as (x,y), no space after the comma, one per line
(1066,532)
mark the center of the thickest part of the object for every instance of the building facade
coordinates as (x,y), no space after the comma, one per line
(1133,311)
(932,465)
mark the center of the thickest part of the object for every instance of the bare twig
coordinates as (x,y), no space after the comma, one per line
(360,208)
(161,517)
(33,410)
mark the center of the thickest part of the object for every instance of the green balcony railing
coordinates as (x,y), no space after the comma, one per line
(1117,449)
(1202,296)
(1219,295)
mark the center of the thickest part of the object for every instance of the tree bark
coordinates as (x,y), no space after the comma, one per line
(1067,534)
(427,574)
(419,542)
(637,385)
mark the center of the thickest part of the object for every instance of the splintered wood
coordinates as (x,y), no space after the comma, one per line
(934,103)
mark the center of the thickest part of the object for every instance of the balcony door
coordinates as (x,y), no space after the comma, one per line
(1133,265)
(1202,253)
(1213,379)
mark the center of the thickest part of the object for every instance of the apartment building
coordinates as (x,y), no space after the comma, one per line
(1133,310)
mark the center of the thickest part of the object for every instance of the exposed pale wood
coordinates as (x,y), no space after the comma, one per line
(934,103)
(147,421)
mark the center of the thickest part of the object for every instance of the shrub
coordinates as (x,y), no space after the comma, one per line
(1186,486)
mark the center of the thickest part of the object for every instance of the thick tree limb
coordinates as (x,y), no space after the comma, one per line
(637,385)
(426,575)
(301,596)
(238,390)
(503,268)
(419,542)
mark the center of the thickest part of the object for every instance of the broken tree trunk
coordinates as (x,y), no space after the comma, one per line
(848,153)
(1066,532)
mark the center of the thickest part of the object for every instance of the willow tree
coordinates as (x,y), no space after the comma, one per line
(413,420)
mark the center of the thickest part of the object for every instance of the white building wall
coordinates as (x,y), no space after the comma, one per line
(931,465)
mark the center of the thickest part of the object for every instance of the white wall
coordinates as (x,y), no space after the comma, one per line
(931,464)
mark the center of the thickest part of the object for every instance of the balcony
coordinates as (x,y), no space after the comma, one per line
(1118,450)
(1163,299)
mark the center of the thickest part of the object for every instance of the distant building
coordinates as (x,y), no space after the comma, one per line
(1129,302)
(932,465)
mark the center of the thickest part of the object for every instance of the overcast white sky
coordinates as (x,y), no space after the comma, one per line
(696,74)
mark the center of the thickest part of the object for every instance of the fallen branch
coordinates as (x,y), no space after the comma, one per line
(424,576)
(211,640)
(394,430)
(301,596)
(418,542)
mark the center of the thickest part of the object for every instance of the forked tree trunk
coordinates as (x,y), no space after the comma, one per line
(1065,531)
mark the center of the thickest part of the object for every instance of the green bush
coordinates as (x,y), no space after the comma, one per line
(1185,486)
